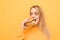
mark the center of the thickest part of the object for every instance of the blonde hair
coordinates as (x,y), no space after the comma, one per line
(42,23)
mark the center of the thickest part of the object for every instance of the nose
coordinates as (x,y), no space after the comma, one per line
(33,16)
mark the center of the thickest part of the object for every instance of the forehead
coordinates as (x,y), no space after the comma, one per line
(34,10)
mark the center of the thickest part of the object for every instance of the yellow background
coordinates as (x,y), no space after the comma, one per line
(13,12)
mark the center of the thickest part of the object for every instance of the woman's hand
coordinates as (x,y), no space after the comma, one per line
(23,23)
(29,22)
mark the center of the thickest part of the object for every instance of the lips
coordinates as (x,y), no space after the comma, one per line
(30,21)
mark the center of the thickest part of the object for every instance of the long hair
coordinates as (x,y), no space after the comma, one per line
(42,23)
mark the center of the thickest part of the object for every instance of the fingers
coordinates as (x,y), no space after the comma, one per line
(24,21)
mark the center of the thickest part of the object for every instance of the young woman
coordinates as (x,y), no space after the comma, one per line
(34,27)
(35,24)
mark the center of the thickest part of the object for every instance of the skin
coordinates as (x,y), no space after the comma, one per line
(34,13)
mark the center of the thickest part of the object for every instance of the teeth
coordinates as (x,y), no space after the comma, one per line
(34,18)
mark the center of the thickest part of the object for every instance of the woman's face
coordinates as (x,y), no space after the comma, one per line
(34,13)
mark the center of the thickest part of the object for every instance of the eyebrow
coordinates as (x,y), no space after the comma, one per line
(35,12)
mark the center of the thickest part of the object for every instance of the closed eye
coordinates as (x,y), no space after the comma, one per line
(36,13)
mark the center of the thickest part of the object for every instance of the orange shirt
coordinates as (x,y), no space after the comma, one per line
(34,33)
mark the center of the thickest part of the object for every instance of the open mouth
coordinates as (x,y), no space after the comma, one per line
(32,20)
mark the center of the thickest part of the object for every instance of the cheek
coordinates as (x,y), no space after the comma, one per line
(37,16)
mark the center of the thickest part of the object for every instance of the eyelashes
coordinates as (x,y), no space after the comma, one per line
(36,13)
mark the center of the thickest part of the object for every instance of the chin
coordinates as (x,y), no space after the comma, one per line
(37,21)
